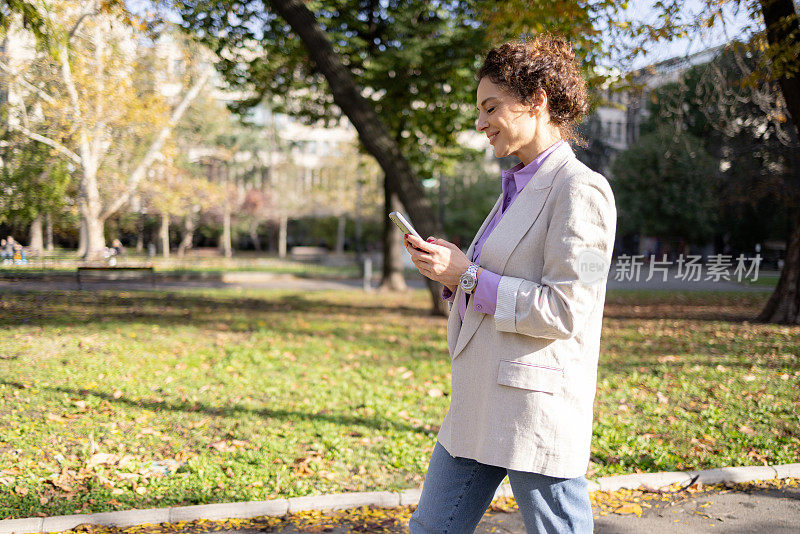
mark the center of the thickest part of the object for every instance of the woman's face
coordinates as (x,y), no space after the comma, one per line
(509,124)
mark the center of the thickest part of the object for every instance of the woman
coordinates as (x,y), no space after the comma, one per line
(524,335)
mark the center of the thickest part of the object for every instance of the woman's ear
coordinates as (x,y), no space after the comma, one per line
(541,103)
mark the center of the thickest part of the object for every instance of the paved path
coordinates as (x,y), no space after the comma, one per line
(757,511)
(752,511)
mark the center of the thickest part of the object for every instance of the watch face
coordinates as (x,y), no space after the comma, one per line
(469,279)
(468,282)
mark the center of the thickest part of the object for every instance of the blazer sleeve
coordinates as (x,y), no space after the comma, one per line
(583,219)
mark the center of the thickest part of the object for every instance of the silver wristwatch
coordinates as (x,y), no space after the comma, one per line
(469,280)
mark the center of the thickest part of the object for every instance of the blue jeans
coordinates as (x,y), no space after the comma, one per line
(457,492)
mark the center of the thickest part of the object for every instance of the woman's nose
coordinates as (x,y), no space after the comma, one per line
(480,124)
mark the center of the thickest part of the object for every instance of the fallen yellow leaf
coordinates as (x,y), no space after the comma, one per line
(630,508)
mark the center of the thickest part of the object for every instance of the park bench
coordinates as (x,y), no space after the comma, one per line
(309,254)
(85,270)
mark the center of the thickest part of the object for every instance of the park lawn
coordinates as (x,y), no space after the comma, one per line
(769,280)
(167,268)
(117,400)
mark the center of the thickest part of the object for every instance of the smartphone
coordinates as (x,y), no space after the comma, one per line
(403,223)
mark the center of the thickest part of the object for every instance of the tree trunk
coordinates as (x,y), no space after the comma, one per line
(270,233)
(36,245)
(340,234)
(188,235)
(140,233)
(783,35)
(392,278)
(95,239)
(283,225)
(163,234)
(225,240)
(440,306)
(372,133)
(254,235)
(48,233)
(82,238)
(783,305)
(358,236)
(90,208)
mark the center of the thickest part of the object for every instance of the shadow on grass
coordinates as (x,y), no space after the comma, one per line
(378,423)
(701,306)
(709,363)
(68,308)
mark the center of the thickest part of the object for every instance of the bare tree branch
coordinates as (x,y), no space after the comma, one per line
(78,23)
(66,73)
(26,84)
(51,143)
(155,147)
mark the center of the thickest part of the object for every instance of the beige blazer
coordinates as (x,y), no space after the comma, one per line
(523,380)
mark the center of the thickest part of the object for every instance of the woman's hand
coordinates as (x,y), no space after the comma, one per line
(437,259)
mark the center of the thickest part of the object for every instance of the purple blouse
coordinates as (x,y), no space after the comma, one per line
(514,180)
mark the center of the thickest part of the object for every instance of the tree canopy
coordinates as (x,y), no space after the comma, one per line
(743,124)
(33,178)
(414,61)
(666,185)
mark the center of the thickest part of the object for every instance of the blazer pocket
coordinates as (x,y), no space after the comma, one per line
(530,376)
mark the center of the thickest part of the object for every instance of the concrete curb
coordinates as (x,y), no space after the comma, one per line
(384,499)
(340,501)
(646,480)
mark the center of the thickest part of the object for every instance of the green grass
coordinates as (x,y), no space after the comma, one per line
(686,381)
(257,395)
(764,281)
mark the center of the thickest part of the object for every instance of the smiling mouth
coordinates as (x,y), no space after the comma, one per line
(493,137)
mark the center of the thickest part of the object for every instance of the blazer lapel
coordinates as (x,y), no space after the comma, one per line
(509,232)
(454,321)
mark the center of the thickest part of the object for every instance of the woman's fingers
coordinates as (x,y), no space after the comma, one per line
(419,258)
(422,262)
(418,243)
(419,248)
(429,257)
(443,243)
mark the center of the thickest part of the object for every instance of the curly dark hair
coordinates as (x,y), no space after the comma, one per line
(547,63)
